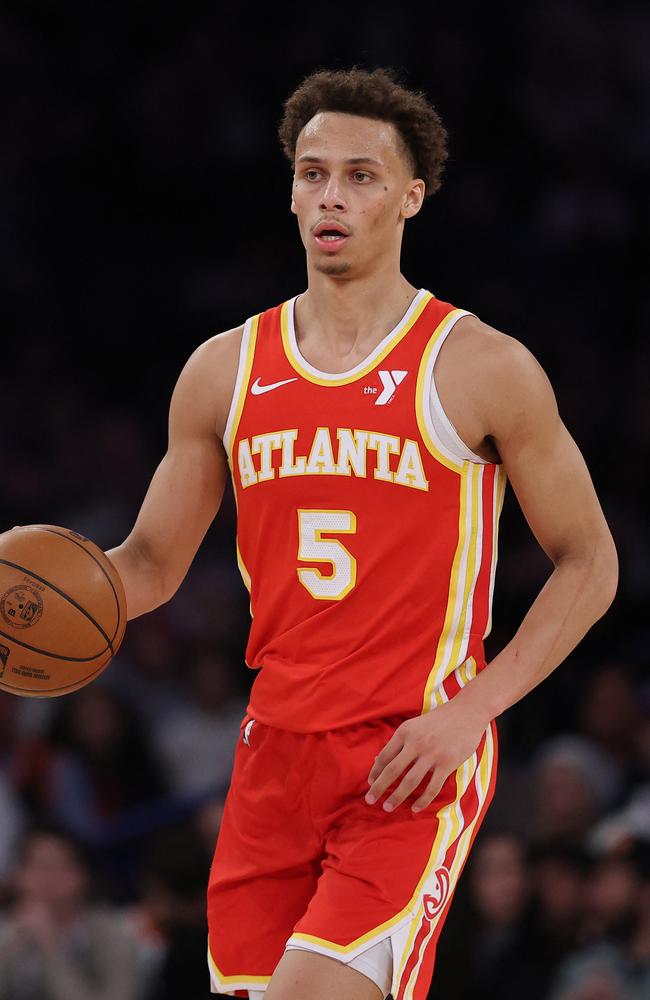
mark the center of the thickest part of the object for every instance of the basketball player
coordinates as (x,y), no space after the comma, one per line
(369,428)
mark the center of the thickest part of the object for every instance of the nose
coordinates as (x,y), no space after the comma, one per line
(333,199)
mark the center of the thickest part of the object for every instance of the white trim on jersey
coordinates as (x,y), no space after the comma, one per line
(440,427)
(442,431)
(333,376)
(241,368)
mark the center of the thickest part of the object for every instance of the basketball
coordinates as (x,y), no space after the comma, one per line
(62,611)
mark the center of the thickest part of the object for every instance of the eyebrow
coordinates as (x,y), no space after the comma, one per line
(351,160)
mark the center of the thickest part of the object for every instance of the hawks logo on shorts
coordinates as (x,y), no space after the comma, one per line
(435,900)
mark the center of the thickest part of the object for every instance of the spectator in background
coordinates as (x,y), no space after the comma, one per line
(614,964)
(150,671)
(168,924)
(632,820)
(208,820)
(573,782)
(98,764)
(502,960)
(613,892)
(610,715)
(560,881)
(197,740)
(11,812)
(11,820)
(54,943)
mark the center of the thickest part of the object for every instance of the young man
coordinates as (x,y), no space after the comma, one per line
(368,497)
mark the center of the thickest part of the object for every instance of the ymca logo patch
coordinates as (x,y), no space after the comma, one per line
(435,900)
(389,380)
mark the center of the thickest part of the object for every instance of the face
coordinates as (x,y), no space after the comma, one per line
(97,724)
(50,873)
(353,189)
(499,879)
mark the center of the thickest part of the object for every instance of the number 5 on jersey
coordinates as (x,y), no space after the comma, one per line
(312,547)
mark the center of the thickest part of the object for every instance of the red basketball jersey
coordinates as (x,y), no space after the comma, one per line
(368,546)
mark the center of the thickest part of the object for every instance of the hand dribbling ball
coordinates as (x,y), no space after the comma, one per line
(62,611)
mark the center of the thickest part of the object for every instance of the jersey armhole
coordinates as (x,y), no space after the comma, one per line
(442,431)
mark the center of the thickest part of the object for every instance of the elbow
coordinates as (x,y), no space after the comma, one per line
(605,574)
(596,566)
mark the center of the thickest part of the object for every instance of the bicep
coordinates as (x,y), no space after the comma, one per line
(188,485)
(545,466)
(556,494)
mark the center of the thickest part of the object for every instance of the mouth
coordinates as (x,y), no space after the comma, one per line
(330,238)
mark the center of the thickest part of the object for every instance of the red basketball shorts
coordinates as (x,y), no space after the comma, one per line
(302,859)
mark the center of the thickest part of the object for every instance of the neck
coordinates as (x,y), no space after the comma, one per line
(340,317)
(66,913)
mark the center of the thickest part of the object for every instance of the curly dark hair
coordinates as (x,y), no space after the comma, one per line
(371,94)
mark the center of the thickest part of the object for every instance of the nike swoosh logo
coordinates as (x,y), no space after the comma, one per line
(258,389)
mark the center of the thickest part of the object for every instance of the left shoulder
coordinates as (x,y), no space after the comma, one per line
(482,345)
(509,386)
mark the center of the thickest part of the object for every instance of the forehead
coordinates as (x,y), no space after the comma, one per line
(46,847)
(334,135)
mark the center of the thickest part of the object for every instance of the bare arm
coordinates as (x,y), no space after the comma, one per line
(186,490)
(556,494)
(515,412)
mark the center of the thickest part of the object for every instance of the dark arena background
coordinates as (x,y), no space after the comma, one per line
(144,206)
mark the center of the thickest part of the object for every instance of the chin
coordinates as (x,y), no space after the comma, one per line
(333,268)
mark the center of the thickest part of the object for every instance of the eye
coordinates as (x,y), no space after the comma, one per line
(311,174)
(361,176)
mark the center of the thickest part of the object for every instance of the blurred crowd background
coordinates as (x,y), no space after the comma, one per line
(144,206)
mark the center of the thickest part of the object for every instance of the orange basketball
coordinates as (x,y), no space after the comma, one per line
(62,611)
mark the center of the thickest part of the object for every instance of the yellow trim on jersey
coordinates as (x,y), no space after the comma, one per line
(449,463)
(399,335)
(240,982)
(465,782)
(500,482)
(462,672)
(482,775)
(245,575)
(408,947)
(459,566)
(450,820)
(417,921)
(243,388)
(476,496)
(236,408)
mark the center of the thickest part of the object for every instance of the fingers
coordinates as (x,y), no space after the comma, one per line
(387,775)
(430,792)
(408,784)
(410,756)
(392,748)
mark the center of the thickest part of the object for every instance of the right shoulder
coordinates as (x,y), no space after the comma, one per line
(205,387)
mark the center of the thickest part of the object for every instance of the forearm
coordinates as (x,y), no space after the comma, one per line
(575,596)
(143,579)
(181,502)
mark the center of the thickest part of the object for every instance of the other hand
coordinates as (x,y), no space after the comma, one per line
(435,743)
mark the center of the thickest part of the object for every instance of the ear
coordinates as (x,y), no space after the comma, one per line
(413,198)
(293,204)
